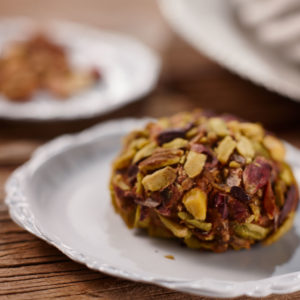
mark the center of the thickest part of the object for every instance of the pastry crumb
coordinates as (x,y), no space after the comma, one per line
(170,257)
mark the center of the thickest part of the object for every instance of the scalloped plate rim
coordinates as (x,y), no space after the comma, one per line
(25,218)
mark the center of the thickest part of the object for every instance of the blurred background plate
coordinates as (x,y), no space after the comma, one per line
(211,27)
(128,68)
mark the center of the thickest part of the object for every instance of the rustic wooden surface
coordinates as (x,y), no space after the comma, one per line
(31,269)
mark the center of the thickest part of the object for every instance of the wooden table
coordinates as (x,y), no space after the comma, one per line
(31,269)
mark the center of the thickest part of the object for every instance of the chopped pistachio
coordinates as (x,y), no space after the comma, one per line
(252,130)
(161,158)
(133,136)
(234,164)
(139,185)
(137,222)
(139,143)
(203,140)
(124,159)
(251,231)
(234,127)
(119,181)
(196,223)
(176,229)
(245,147)
(183,215)
(159,179)
(225,149)
(212,136)
(164,123)
(286,174)
(195,202)
(182,159)
(256,211)
(200,224)
(280,189)
(144,152)
(218,126)
(192,132)
(285,227)
(194,163)
(275,146)
(194,243)
(176,143)
(260,149)
(250,219)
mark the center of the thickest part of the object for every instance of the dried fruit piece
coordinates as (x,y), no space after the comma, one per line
(218,126)
(221,204)
(176,143)
(194,163)
(275,146)
(176,229)
(245,147)
(195,202)
(225,149)
(161,158)
(159,179)
(238,193)
(251,231)
(144,152)
(256,175)
(269,202)
(169,135)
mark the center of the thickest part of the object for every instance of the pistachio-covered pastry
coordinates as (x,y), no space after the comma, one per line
(213,182)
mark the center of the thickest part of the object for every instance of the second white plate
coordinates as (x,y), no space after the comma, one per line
(212,29)
(61,195)
(129,70)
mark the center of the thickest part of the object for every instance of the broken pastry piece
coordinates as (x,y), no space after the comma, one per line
(212,182)
(39,63)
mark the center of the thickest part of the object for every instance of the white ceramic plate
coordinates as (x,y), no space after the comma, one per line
(211,28)
(61,195)
(129,69)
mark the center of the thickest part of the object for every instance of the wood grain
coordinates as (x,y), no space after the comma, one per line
(30,268)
